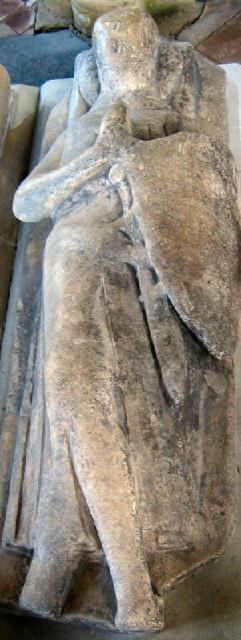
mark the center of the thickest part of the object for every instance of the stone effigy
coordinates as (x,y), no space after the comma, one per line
(123,474)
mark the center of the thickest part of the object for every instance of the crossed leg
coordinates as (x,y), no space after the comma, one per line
(79,372)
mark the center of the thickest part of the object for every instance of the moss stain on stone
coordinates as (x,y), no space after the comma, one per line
(167,8)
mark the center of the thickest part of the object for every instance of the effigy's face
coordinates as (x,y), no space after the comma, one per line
(125,48)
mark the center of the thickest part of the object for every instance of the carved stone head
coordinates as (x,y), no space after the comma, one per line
(126,49)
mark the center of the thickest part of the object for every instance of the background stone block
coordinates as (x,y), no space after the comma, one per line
(53,14)
(171,15)
(14,161)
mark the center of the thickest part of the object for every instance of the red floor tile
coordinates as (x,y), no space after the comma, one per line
(21,19)
(7,6)
(225,44)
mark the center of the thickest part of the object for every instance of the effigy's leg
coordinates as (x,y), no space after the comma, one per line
(79,373)
(61,542)
(63,534)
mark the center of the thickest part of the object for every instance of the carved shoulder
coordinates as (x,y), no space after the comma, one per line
(193,89)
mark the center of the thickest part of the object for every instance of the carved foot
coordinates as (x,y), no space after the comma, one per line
(46,587)
(142,617)
(41,594)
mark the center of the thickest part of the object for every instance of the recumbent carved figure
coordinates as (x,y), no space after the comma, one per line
(138,325)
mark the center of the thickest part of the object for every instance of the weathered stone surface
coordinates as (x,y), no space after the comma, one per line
(133,404)
(210,101)
(85,13)
(171,15)
(206,604)
(60,7)
(233,74)
(4,104)
(52,14)
(17,141)
(52,93)
(17,338)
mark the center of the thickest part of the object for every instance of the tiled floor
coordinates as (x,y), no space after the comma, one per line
(16,18)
